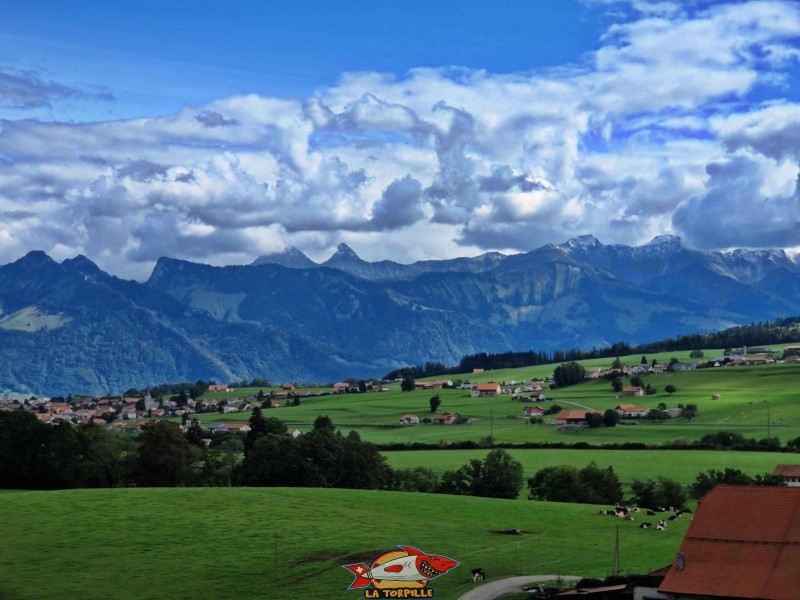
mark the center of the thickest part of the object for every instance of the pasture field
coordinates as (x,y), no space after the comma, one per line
(256,543)
(749,395)
(680,465)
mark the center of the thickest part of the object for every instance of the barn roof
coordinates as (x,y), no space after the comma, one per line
(574,414)
(487,387)
(744,542)
(787,471)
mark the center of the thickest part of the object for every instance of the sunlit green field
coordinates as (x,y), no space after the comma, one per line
(751,397)
(248,543)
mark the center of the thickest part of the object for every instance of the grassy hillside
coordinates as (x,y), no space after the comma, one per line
(741,408)
(220,543)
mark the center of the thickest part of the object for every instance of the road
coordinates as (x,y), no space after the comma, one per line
(489,591)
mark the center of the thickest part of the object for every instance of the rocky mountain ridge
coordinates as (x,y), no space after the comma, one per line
(72,328)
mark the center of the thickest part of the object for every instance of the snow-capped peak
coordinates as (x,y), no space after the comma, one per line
(582,242)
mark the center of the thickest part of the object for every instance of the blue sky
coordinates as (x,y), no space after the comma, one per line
(157,57)
(217,132)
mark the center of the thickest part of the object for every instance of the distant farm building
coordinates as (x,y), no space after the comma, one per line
(629,411)
(789,473)
(446,418)
(573,417)
(485,389)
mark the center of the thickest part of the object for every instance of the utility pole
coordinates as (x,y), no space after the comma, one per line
(491,426)
(276,553)
(616,553)
(769,424)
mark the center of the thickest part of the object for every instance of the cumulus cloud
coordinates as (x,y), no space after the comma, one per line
(654,132)
(399,206)
(772,130)
(735,212)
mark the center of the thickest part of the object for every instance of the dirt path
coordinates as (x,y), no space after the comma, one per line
(489,591)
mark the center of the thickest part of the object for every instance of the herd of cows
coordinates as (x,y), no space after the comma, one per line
(623,512)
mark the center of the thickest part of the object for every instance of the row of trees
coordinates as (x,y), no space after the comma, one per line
(594,485)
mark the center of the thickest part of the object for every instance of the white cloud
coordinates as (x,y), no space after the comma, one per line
(650,134)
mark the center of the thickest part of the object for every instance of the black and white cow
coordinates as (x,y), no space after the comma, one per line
(478,575)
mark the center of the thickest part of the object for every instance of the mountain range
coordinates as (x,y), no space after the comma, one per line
(69,327)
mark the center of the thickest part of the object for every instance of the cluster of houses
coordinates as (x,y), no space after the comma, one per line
(118,411)
(533,387)
(131,411)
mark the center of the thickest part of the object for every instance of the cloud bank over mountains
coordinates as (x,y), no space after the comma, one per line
(684,120)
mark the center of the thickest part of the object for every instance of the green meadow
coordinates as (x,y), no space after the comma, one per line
(756,401)
(243,543)
(255,543)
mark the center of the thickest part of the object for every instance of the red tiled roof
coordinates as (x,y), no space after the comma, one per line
(744,542)
(787,471)
(574,414)
(632,408)
(487,387)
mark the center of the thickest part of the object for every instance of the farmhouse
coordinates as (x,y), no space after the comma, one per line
(633,390)
(340,387)
(485,389)
(294,433)
(629,411)
(446,418)
(789,473)
(744,542)
(532,411)
(231,427)
(409,420)
(595,373)
(573,417)
(224,387)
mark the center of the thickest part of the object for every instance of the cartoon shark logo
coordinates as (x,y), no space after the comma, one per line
(405,568)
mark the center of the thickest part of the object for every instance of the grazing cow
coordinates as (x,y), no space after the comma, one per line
(478,575)
(662,523)
(651,513)
(672,517)
(659,527)
(645,525)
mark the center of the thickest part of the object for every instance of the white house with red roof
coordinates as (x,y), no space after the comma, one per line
(630,411)
(532,411)
(789,473)
(446,418)
(633,390)
(485,389)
